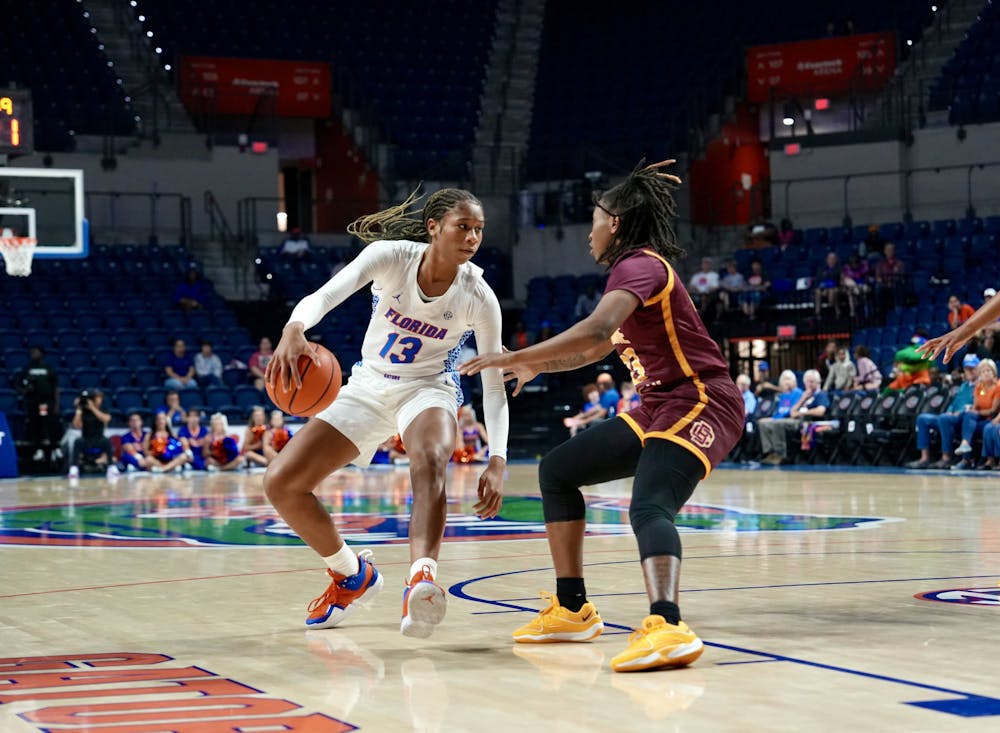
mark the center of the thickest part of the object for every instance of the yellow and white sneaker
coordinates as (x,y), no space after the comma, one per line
(658,644)
(556,623)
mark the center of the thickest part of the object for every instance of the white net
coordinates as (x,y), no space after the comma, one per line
(17,253)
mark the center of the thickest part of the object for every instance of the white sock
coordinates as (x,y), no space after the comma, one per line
(419,563)
(343,561)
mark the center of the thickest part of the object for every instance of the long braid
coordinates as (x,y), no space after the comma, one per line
(398,222)
(645,205)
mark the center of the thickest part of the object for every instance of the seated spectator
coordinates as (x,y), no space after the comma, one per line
(207,366)
(811,405)
(609,395)
(590,412)
(855,283)
(92,449)
(191,293)
(868,376)
(258,362)
(945,422)
(296,246)
(826,358)
(749,398)
(786,234)
(164,452)
(828,284)
(764,384)
(253,438)
(132,457)
(521,338)
(194,437)
(873,243)
(991,445)
(889,279)
(179,368)
(958,312)
(471,443)
(586,303)
(277,435)
(704,289)
(629,400)
(176,414)
(732,286)
(756,288)
(842,374)
(222,451)
(985,405)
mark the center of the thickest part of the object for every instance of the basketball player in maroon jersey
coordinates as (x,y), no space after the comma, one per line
(690,416)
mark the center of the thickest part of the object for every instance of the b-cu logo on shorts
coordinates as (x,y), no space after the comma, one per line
(702,434)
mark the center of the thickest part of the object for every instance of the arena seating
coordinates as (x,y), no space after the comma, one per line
(969,85)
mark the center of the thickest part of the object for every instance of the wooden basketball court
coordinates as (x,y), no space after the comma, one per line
(177,603)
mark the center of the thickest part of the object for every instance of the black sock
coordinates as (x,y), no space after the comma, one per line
(571,593)
(670,611)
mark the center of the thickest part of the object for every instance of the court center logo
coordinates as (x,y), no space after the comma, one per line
(247,521)
(989,596)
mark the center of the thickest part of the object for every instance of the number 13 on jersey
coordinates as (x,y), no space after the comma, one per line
(405,351)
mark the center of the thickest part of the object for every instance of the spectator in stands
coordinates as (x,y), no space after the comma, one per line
(277,435)
(985,405)
(704,288)
(38,385)
(855,283)
(207,365)
(222,452)
(190,293)
(811,405)
(732,286)
(609,395)
(630,398)
(258,362)
(521,338)
(756,288)
(826,358)
(194,437)
(471,441)
(890,275)
(868,376)
(958,312)
(789,393)
(764,384)
(164,451)
(842,374)
(179,368)
(586,302)
(176,414)
(296,247)
(991,445)
(786,235)
(988,295)
(749,398)
(945,422)
(829,279)
(590,412)
(951,342)
(132,457)
(987,345)
(873,243)
(92,449)
(253,438)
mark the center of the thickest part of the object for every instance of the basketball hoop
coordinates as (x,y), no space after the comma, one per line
(17,253)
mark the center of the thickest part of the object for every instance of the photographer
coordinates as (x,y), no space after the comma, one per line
(39,386)
(93,447)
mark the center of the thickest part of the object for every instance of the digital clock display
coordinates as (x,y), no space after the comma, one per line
(15,122)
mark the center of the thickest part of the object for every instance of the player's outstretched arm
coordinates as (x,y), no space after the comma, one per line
(954,340)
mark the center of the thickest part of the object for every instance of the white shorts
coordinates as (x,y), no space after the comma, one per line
(373,407)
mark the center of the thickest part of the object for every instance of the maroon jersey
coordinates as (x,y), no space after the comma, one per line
(687,394)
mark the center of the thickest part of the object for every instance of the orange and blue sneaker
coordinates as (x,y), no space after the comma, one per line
(424,605)
(557,623)
(658,644)
(345,594)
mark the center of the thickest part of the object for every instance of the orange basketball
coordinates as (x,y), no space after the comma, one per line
(320,385)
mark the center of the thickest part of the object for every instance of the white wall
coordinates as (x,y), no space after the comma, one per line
(882,198)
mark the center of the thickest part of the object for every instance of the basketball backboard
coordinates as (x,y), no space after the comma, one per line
(45,203)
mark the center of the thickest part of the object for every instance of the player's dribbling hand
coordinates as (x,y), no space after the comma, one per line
(284,364)
(490,490)
(947,344)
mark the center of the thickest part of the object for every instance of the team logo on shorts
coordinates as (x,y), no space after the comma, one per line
(965,596)
(702,434)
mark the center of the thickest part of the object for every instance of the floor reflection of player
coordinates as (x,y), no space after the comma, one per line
(426,695)
(354,671)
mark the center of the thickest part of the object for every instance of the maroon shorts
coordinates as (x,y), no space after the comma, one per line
(707,426)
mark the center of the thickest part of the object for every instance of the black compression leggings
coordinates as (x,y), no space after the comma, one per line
(665,477)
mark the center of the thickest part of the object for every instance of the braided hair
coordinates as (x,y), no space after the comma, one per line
(398,222)
(645,205)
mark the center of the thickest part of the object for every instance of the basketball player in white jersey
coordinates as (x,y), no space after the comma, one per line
(427,299)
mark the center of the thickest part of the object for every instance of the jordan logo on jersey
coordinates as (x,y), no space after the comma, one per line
(405,323)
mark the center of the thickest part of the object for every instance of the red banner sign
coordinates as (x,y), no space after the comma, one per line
(255,86)
(826,66)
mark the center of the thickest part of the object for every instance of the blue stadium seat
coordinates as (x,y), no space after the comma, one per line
(128,398)
(218,397)
(87,377)
(116,377)
(106,358)
(9,400)
(76,358)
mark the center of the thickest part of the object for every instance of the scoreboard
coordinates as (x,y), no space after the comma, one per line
(15,122)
